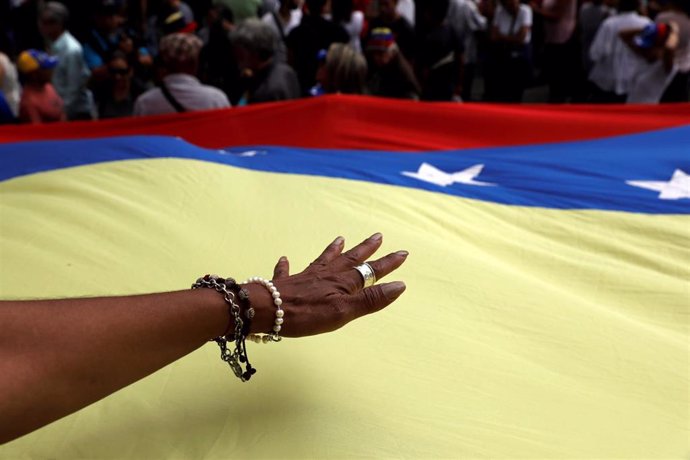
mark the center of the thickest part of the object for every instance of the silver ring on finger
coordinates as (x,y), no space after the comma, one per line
(367,273)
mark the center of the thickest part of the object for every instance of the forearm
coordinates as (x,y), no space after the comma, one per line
(59,356)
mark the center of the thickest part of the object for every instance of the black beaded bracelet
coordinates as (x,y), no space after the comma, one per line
(235,359)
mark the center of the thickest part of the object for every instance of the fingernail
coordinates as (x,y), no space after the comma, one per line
(338,241)
(283,259)
(376,236)
(402,253)
(393,290)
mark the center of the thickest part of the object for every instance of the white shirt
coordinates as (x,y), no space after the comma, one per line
(354,29)
(614,64)
(465,18)
(503,21)
(10,84)
(652,79)
(187,90)
(405,9)
(71,76)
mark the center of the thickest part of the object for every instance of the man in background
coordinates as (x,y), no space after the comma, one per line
(71,75)
(180,90)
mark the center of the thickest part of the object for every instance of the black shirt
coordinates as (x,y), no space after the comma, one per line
(304,43)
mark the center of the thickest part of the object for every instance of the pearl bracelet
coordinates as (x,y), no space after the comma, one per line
(278,323)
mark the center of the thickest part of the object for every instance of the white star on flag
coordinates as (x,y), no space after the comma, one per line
(251,153)
(675,189)
(433,175)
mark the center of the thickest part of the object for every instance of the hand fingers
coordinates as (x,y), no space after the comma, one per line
(282,269)
(381,267)
(359,253)
(375,298)
(331,252)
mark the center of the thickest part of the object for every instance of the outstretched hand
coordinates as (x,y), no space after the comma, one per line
(329,293)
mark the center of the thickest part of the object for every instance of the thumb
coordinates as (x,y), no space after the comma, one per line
(282,268)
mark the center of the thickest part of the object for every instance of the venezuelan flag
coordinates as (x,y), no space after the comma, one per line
(548,305)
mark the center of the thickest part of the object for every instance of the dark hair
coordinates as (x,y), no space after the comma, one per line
(628,5)
(683,5)
(118,54)
(55,12)
(315,6)
(341,10)
(434,11)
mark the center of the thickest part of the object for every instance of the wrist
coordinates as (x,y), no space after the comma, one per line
(264,308)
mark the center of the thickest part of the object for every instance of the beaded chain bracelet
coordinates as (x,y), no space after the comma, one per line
(273,336)
(238,356)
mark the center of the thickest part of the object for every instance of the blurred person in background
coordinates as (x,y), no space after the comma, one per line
(6,113)
(22,28)
(678,12)
(343,71)
(440,53)
(265,78)
(592,14)
(468,22)
(283,21)
(352,21)
(104,37)
(118,101)
(614,63)
(390,75)
(656,44)
(561,63)
(172,19)
(217,64)
(71,75)
(180,90)
(403,31)
(241,9)
(663,46)
(315,33)
(508,68)
(40,103)
(407,9)
(9,84)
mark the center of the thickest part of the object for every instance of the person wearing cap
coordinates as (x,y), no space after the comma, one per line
(266,78)
(403,31)
(40,103)
(71,75)
(180,90)
(391,75)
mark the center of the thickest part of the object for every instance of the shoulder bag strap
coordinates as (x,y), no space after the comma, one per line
(171,99)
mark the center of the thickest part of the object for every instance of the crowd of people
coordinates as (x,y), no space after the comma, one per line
(70,60)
